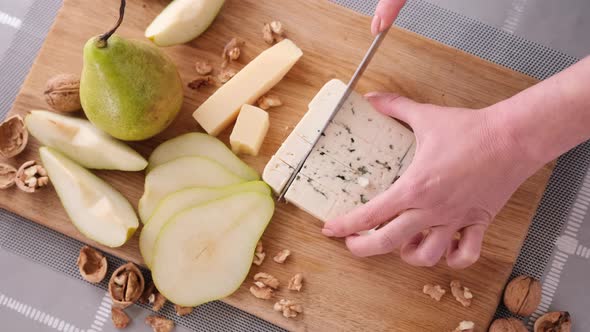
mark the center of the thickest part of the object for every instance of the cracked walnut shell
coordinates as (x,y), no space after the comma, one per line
(159,324)
(62,93)
(126,285)
(522,295)
(7,176)
(507,325)
(557,321)
(92,265)
(13,136)
(31,176)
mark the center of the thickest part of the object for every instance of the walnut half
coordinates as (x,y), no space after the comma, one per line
(289,308)
(435,292)
(13,136)
(7,176)
(92,265)
(267,280)
(557,321)
(296,282)
(259,254)
(126,285)
(282,255)
(31,176)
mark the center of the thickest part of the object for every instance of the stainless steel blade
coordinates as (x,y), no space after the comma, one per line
(349,88)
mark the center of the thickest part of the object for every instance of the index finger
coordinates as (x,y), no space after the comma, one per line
(385,14)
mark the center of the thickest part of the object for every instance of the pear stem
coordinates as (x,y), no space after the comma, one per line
(103,39)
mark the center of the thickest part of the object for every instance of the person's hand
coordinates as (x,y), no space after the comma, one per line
(385,14)
(465,169)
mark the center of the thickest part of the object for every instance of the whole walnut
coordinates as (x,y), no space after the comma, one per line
(508,325)
(523,295)
(557,321)
(62,93)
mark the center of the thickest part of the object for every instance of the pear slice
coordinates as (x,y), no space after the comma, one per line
(97,210)
(80,141)
(203,145)
(182,21)
(204,253)
(182,200)
(182,173)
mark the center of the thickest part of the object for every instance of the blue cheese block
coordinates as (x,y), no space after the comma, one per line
(360,154)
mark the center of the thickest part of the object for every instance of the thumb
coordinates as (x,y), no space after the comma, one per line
(395,106)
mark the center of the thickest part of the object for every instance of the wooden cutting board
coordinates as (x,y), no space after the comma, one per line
(341,293)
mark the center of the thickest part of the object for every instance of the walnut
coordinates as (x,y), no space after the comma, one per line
(461,293)
(557,321)
(126,285)
(259,254)
(31,176)
(277,28)
(203,68)
(267,280)
(436,292)
(92,265)
(231,51)
(7,176)
(13,136)
(522,295)
(267,101)
(200,82)
(296,282)
(267,34)
(148,292)
(62,93)
(226,75)
(507,325)
(282,255)
(289,308)
(259,290)
(465,326)
(120,318)
(159,324)
(182,311)
(158,301)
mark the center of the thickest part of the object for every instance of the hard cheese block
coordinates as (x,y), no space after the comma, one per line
(360,154)
(254,80)
(250,130)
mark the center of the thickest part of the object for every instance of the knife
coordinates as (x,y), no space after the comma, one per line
(349,88)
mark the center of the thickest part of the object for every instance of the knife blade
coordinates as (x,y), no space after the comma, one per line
(349,88)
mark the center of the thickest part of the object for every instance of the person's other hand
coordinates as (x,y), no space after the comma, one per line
(385,14)
(465,169)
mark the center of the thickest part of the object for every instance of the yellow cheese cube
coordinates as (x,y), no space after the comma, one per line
(253,81)
(249,131)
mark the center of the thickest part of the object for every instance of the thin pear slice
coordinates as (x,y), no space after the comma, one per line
(182,21)
(97,210)
(204,253)
(79,140)
(182,173)
(202,145)
(182,200)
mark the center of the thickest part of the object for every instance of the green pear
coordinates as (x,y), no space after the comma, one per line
(128,89)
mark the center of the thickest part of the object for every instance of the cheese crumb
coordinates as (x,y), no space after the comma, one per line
(363,182)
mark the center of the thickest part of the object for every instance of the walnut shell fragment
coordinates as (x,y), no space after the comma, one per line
(462,294)
(126,285)
(522,295)
(31,176)
(159,324)
(557,321)
(507,325)
(92,265)
(62,93)
(120,318)
(13,136)
(7,176)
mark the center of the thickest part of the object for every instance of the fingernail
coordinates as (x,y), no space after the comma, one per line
(382,26)
(372,95)
(376,24)
(327,232)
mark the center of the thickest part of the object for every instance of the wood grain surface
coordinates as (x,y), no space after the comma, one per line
(341,293)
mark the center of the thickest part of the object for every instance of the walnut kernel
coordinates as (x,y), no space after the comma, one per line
(557,321)
(120,318)
(7,176)
(507,325)
(296,282)
(126,285)
(282,255)
(13,136)
(465,326)
(267,101)
(277,28)
(31,176)
(159,324)
(158,301)
(461,293)
(259,254)
(203,68)
(62,93)
(200,82)
(435,292)
(226,75)
(267,34)
(182,311)
(289,308)
(267,280)
(92,265)
(522,295)
(264,293)
(231,51)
